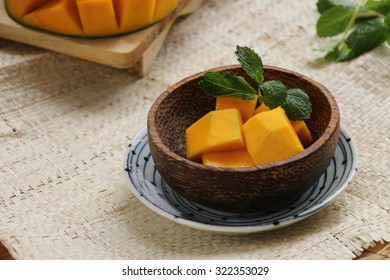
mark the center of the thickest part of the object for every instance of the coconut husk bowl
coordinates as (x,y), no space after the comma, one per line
(264,187)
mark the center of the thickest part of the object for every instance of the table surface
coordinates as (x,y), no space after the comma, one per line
(377,252)
(66,123)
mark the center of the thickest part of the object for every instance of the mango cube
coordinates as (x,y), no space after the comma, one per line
(270,137)
(59,16)
(238,158)
(261,108)
(219,130)
(303,132)
(23,7)
(163,8)
(245,106)
(103,19)
(132,15)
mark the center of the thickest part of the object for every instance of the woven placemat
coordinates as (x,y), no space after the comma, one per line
(65,125)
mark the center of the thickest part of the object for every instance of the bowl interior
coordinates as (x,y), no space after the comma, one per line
(184,103)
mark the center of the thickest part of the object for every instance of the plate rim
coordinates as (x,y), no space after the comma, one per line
(250,228)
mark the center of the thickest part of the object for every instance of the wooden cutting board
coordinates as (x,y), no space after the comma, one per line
(136,50)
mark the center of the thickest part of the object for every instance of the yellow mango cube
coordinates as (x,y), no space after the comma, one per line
(261,108)
(20,8)
(245,106)
(102,21)
(238,158)
(60,16)
(270,137)
(303,132)
(32,18)
(219,130)
(163,8)
(134,14)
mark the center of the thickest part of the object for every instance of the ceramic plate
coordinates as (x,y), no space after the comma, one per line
(147,184)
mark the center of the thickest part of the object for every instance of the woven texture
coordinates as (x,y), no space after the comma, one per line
(65,125)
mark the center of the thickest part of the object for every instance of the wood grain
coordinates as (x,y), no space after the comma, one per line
(4,253)
(136,50)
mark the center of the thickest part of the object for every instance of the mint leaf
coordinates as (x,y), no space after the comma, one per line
(333,53)
(387,28)
(226,84)
(379,6)
(251,63)
(334,21)
(364,38)
(323,5)
(274,93)
(387,21)
(297,105)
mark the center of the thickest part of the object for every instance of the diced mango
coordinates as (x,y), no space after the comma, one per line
(270,137)
(245,106)
(219,130)
(239,158)
(163,8)
(102,21)
(303,132)
(89,18)
(20,8)
(32,19)
(261,108)
(60,16)
(134,14)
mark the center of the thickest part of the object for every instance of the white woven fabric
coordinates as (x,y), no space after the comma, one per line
(65,125)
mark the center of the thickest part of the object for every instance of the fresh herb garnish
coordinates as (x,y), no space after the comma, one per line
(273,93)
(362,26)
(226,84)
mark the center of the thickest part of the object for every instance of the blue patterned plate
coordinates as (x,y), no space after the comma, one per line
(147,184)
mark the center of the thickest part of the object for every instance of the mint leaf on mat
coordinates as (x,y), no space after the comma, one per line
(323,5)
(334,21)
(364,27)
(379,6)
(226,84)
(364,38)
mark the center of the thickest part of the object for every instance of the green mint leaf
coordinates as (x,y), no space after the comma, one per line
(333,53)
(226,84)
(387,27)
(364,38)
(274,93)
(387,21)
(323,5)
(343,54)
(379,6)
(334,21)
(251,63)
(297,105)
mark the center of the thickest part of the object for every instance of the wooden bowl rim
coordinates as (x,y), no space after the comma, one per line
(331,127)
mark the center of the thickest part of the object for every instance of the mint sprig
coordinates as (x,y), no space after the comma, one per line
(272,93)
(251,63)
(226,84)
(362,27)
